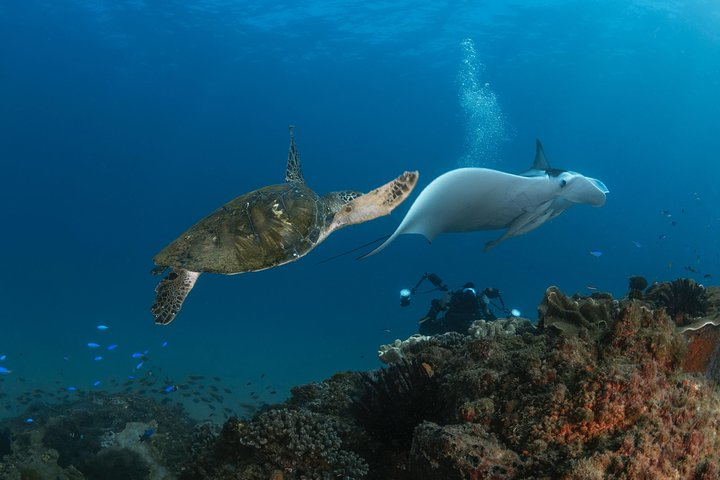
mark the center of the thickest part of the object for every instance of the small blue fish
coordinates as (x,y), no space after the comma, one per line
(72,389)
(29,420)
(96,383)
(131,377)
(112,347)
(171,388)
(139,365)
(637,244)
(5,371)
(595,253)
(93,345)
(98,358)
(3,357)
(137,355)
(102,327)
(147,434)
(662,236)
(164,344)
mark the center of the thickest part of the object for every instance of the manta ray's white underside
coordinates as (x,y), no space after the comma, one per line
(470,199)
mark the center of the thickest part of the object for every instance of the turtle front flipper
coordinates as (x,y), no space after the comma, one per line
(170,294)
(376,203)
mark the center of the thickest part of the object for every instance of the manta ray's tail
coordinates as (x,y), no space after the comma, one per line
(384,237)
(388,240)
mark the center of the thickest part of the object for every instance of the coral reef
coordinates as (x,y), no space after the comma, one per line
(302,441)
(599,389)
(489,329)
(394,352)
(97,436)
(280,443)
(683,299)
(637,286)
(573,315)
(382,409)
(451,451)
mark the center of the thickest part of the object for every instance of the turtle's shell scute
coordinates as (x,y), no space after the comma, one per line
(260,229)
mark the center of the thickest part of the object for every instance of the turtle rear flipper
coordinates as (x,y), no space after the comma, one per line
(170,294)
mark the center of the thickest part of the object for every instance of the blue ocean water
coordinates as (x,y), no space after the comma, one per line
(124,122)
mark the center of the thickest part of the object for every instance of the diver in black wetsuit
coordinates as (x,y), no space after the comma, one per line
(457,310)
(460,309)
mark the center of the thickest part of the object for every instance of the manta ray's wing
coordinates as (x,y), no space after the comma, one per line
(448,204)
(532,219)
(473,199)
(417,220)
(528,221)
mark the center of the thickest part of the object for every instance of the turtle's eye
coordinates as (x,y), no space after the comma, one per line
(348,209)
(563,182)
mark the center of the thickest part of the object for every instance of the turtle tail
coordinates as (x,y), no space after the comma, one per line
(170,294)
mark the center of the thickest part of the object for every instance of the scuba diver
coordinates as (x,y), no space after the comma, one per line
(458,308)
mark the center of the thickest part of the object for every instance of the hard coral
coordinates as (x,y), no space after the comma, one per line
(683,299)
(301,442)
(576,314)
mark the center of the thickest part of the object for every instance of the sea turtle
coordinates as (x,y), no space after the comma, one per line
(265,228)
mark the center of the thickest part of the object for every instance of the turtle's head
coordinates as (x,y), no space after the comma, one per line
(360,208)
(334,201)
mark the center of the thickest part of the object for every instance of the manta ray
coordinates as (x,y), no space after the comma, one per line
(471,199)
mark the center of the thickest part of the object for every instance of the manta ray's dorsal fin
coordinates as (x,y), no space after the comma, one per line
(541,166)
(293,171)
(540,162)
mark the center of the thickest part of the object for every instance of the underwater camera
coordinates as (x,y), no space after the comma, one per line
(405,296)
(407,293)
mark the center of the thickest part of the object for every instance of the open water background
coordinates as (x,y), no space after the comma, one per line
(124,122)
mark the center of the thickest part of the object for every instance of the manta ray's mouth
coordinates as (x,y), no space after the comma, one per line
(598,184)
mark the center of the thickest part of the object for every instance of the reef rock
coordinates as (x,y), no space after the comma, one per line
(97,436)
(460,451)
(695,310)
